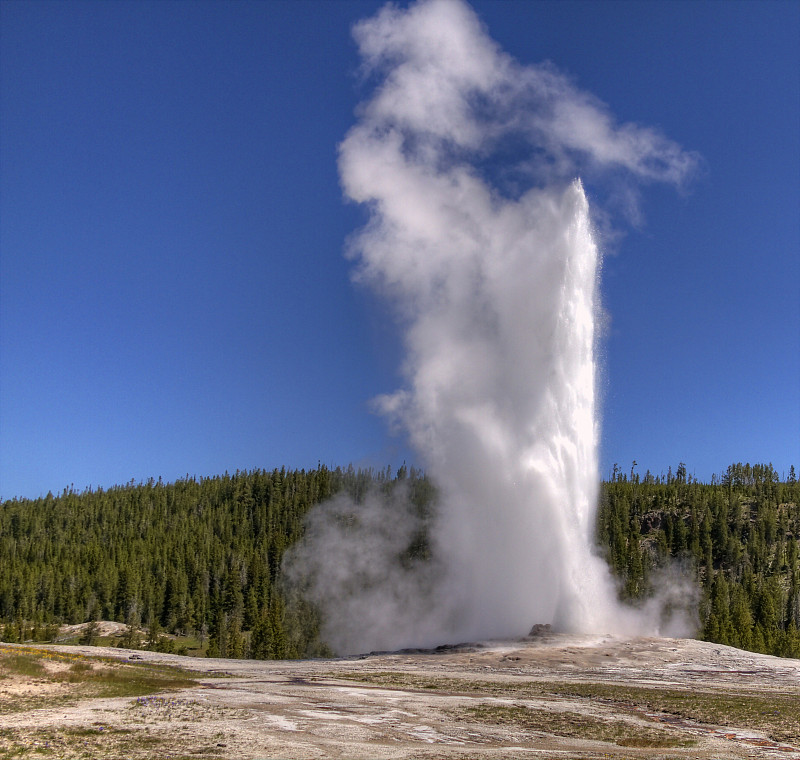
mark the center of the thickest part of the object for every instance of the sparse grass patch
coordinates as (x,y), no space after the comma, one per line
(135,680)
(21,665)
(775,715)
(102,743)
(99,742)
(85,677)
(572,725)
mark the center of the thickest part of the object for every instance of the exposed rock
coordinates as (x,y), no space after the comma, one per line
(540,629)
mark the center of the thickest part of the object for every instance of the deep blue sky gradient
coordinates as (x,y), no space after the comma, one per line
(174,298)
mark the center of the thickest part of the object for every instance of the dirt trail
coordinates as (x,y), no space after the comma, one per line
(553,696)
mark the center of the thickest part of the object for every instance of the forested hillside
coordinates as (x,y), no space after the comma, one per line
(196,564)
(737,536)
(199,558)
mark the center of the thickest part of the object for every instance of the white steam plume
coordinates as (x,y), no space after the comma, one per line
(481,235)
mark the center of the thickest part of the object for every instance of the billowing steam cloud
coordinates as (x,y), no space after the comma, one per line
(480,233)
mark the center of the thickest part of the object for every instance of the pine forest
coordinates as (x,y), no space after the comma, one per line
(194,566)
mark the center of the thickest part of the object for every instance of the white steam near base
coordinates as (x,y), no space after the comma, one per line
(481,236)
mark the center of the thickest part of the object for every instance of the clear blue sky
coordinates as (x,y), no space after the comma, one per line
(173,293)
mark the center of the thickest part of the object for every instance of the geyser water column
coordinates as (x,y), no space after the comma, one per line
(480,235)
(514,428)
(501,397)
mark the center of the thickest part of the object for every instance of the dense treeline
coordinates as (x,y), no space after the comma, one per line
(737,536)
(201,558)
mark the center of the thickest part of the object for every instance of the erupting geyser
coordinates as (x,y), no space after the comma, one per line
(481,236)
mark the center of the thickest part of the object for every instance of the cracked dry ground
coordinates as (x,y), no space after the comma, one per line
(554,696)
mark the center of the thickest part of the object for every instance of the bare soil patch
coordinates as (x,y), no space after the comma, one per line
(550,696)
